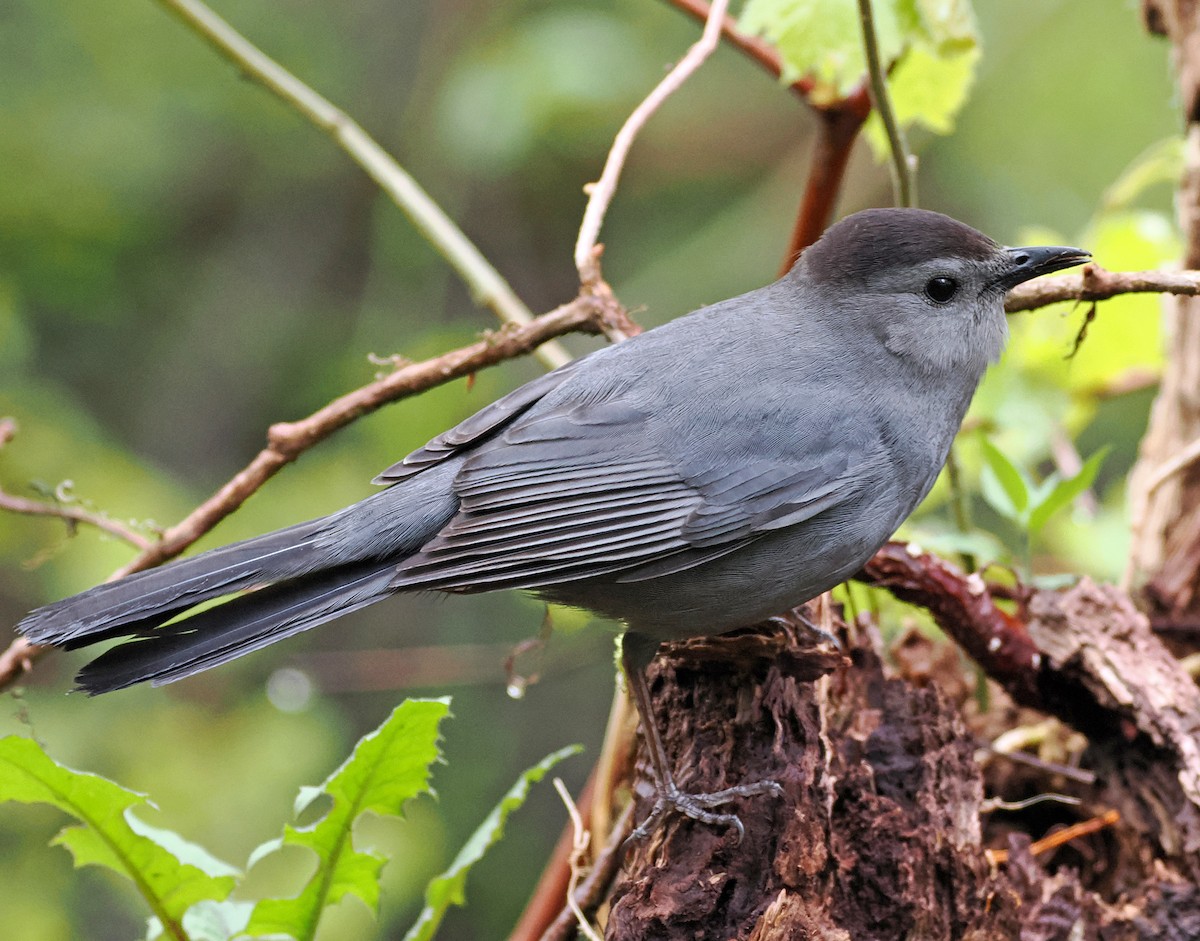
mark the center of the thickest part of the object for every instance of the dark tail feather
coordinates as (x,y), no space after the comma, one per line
(220,634)
(147,599)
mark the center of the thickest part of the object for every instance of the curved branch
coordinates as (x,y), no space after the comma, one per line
(486,284)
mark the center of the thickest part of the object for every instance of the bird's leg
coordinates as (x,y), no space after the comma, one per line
(668,796)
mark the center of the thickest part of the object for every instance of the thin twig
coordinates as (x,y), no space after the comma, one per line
(757,49)
(601,192)
(1094,283)
(74,515)
(906,191)
(486,284)
(840,123)
(1109,818)
(582,839)
(591,891)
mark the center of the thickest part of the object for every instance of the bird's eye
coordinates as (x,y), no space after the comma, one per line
(940,290)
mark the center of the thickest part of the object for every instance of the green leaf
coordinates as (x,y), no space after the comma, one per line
(927,88)
(822,40)
(1066,490)
(450,887)
(111,836)
(929,47)
(388,767)
(1005,487)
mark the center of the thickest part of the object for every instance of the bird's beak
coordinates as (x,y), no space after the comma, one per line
(1029,262)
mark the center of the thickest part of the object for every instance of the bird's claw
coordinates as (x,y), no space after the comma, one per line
(819,632)
(699,806)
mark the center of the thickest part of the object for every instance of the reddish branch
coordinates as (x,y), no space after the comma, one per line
(837,130)
(963,607)
(757,49)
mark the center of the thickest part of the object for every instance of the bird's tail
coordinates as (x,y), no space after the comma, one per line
(304,575)
(248,622)
(144,600)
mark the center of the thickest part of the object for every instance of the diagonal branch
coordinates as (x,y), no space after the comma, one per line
(486,284)
(286,441)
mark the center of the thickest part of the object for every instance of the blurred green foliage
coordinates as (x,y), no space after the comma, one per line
(184,261)
(192,894)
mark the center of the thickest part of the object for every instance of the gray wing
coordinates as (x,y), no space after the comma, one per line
(599,488)
(479,426)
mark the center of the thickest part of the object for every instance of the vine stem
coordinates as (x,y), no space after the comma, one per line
(902,161)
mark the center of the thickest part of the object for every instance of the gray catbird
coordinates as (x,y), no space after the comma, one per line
(697,478)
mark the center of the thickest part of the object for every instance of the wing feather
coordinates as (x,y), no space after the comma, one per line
(596,488)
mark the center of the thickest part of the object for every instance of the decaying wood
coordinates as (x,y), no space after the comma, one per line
(1107,675)
(876,836)
(881,831)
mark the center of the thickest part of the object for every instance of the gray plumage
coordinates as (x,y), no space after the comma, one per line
(695,479)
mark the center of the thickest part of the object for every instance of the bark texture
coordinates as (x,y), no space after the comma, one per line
(876,836)
(882,832)
(1165,491)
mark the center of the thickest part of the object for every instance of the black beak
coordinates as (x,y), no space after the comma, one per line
(1026,263)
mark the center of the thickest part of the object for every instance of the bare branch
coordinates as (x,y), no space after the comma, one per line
(1094,283)
(590,312)
(601,192)
(72,515)
(757,49)
(486,284)
(288,440)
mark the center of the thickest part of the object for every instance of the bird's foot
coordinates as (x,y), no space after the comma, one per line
(819,632)
(670,798)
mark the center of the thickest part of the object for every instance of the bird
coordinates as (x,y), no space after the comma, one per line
(698,478)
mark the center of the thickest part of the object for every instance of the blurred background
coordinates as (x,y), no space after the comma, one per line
(184,261)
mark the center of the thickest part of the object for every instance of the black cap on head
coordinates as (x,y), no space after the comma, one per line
(876,239)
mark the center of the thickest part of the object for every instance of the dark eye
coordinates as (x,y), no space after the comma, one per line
(940,290)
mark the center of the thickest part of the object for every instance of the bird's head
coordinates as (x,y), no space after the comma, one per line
(930,287)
